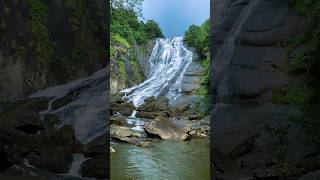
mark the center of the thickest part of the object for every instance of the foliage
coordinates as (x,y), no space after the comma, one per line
(152,30)
(199,38)
(131,5)
(85,25)
(44,47)
(137,73)
(204,90)
(122,69)
(120,40)
(127,31)
(126,24)
(298,95)
(306,66)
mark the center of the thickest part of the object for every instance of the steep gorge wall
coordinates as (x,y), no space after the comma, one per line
(129,65)
(250,60)
(45,43)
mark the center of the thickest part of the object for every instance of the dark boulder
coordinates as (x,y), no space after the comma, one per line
(4,159)
(96,147)
(96,167)
(148,115)
(55,159)
(149,105)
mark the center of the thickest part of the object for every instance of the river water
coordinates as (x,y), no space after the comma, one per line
(166,160)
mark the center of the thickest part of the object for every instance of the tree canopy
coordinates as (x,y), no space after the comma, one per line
(125,23)
(199,37)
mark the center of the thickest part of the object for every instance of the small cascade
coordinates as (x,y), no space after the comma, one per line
(137,123)
(134,113)
(168,63)
(78,160)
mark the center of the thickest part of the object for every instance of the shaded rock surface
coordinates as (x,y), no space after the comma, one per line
(46,148)
(249,60)
(95,167)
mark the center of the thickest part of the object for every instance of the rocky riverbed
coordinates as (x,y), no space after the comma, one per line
(154,120)
(147,128)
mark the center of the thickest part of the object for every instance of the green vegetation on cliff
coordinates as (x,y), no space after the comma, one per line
(126,24)
(44,47)
(305,65)
(85,25)
(127,32)
(199,38)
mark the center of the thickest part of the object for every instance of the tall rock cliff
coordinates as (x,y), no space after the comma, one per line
(250,60)
(49,42)
(129,64)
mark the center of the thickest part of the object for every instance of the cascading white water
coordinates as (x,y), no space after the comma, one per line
(87,111)
(168,62)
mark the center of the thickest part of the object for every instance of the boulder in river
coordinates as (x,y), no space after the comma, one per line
(125,108)
(165,129)
(119,132)
(118,120)
(148,115)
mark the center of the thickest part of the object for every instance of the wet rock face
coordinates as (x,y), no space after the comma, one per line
(249,60)
(98,164)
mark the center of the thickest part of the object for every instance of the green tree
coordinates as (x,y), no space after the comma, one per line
(199,38)
(153,30)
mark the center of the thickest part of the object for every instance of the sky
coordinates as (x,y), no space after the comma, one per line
(175,16)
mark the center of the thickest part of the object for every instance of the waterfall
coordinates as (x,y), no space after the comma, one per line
(86,108)
(168,62)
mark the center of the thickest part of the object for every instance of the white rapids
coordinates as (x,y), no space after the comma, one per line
(168,62)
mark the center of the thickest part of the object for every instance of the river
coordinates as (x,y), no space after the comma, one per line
(167,160)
